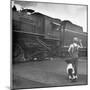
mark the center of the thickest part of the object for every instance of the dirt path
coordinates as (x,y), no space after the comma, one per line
(47,73)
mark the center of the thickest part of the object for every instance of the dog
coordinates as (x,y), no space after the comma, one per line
(70,71)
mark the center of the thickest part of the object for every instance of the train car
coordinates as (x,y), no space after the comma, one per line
(70,31)
(36,35)
(31,34)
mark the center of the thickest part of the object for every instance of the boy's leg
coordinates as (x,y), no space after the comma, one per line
(75,65)
(76,68)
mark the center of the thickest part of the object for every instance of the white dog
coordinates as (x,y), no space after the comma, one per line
(70,71)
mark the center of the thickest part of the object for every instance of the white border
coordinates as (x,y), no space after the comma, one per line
(5,44)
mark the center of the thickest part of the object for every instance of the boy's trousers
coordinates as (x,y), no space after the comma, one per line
(75,65)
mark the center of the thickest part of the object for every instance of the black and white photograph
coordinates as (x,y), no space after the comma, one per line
(49,44)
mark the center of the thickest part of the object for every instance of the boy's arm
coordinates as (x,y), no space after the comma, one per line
(70,50)
(80,43)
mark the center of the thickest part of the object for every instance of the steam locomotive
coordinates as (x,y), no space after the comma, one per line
(36,36)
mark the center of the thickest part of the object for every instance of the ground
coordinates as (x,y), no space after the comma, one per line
(49,73)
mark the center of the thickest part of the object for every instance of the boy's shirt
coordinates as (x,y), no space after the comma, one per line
(73,50)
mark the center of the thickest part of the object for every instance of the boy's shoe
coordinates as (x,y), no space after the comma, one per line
(70,78)
(75,77)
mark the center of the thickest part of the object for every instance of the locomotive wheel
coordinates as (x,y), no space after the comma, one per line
(18,53)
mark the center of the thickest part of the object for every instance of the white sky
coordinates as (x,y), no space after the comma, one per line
(77,14)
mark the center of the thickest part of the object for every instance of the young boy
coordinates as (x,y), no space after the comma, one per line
(73,51)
